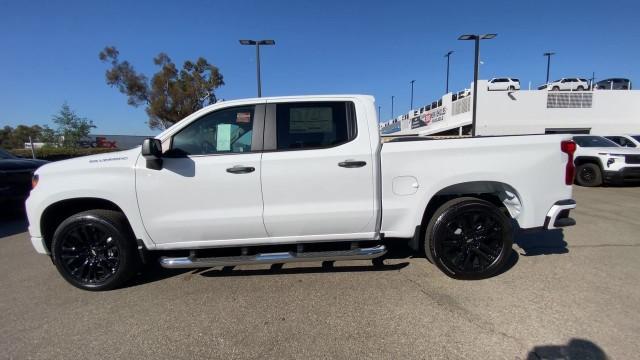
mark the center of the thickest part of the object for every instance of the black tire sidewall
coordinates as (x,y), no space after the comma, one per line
(597,180)
(453,208)
(119,234)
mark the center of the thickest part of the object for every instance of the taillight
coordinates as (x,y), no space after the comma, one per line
(569,147)
(34,181)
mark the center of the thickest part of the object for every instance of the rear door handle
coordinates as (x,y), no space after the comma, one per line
(352,164)
(238,169)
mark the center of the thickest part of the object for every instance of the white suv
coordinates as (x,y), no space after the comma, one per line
(599,160)
(571,84)
(632,141)
(504,84)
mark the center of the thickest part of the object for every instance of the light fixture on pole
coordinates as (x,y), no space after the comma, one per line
(476,38)
(548,55)
(447,55)
(257,44)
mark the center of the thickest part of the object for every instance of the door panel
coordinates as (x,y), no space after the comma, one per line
(311,189)
(197,199)
(209,186)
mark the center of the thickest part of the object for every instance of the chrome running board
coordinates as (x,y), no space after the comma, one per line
(273,258)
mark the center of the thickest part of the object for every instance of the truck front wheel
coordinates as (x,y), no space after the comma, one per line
(95,250)
(588,174)
(469,238)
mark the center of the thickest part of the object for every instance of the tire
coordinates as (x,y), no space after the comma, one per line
(469,239)
(512,88)
(95,250)
(555,88)
(589,175)
(580,88)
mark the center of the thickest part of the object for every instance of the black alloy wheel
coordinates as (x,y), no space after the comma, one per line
(94,250)
(469,238)
(588,175)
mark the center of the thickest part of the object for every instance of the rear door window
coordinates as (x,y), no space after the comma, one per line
(313,125)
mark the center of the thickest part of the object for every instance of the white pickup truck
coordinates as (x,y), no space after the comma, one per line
(286,179)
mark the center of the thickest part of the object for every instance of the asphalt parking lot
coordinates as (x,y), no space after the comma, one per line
(566,295)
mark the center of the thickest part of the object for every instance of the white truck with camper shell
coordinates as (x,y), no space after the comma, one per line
(286,179)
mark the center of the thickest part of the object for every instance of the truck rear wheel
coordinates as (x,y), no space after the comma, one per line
(589,174)
(469,238)
(95,250)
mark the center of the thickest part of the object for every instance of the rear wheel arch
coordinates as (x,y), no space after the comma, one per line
(500,194)
(59,211)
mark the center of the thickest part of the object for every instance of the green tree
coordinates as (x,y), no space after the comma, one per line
(71,127)
(15,138)
(171,94)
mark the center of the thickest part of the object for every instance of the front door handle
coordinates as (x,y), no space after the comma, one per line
(238,169)
(352,164)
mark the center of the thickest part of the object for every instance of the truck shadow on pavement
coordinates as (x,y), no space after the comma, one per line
(541,242)
(574,349)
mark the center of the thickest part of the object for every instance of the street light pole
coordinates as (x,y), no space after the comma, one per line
(379,109)
(476,38)
(412,81)
(548,55)
(257,44)
(258,70)
(392,98)
(447,55)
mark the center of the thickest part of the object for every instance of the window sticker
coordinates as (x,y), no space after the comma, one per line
(310,120)
(223,139)
(243,118)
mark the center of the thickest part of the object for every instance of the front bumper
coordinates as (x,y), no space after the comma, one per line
(623,175)
(558,216)
(38,244)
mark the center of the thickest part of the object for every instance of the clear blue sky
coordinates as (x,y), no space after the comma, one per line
(49,49)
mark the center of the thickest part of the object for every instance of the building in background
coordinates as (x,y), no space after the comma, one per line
(121,142)
(512,112)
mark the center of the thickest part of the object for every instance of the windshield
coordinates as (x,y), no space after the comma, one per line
(5,155)
(593,141)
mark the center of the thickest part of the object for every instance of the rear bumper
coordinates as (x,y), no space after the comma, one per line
(623,175)
(558,216)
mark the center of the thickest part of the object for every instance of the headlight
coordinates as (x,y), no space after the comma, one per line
(34,181)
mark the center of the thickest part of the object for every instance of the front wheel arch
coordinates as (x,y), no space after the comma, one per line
(57,212)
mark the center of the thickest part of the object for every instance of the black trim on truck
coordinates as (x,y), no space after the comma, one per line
(563,219)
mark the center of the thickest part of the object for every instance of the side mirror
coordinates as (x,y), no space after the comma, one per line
(152,151)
